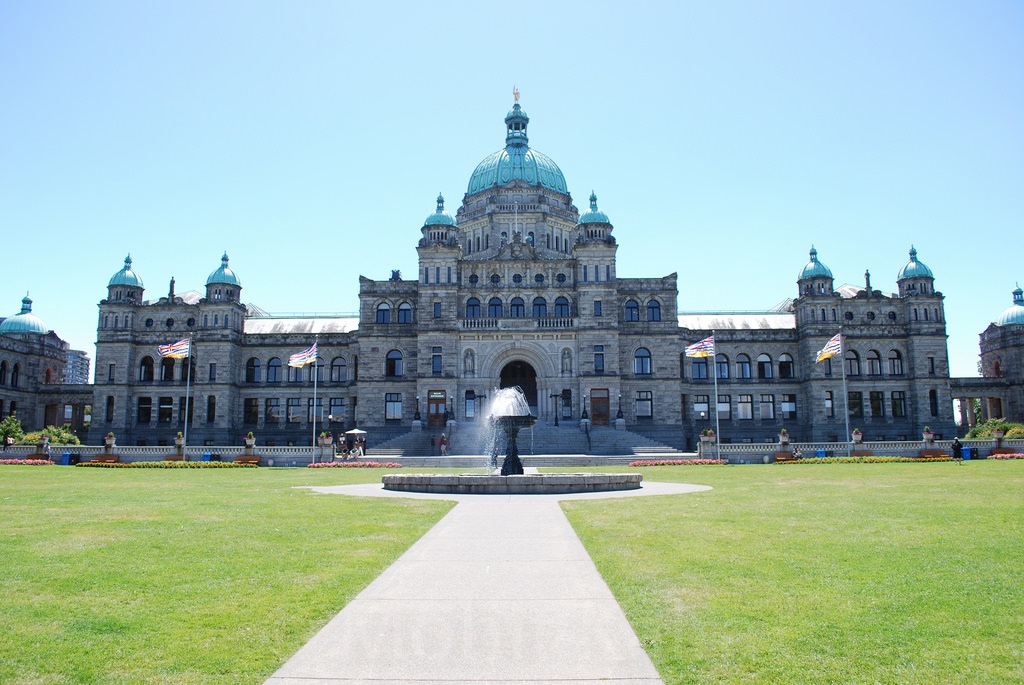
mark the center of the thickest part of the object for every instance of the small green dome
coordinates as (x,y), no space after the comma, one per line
(25,322)
(517,162)
(1014,314)
(593,215)
(440,217)
(224,274)
(814,268)
(126,276)
(914,268)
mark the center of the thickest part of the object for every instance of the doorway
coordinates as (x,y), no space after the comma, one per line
(521,374)
(600,406)
(437,404)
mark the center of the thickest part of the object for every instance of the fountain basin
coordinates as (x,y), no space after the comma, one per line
(530,484)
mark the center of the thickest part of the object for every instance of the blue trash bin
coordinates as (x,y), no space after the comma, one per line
(819,453)
(65,459)
(967,452)
(206,456)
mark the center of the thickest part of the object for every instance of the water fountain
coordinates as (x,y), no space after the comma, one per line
(509,414)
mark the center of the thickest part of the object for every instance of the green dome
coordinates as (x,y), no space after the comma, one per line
(593,215)
(126,276)
(1014,314)
(814,268)
(517,162)
(914,268)
(440,217)
(224,274)
(25,322)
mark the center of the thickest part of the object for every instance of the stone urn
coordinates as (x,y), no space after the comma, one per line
(783,438)
(250,442)
(928,437)
(998,434)
(110,441)
(326,441)
(858,438)
(179,441)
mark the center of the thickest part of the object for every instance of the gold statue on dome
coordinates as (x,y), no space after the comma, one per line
(515,93)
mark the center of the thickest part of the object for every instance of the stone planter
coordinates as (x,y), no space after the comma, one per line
(110,442)
(858,438)
(783,439)
(998,434)
(326,442)
(250,442)
(928,437)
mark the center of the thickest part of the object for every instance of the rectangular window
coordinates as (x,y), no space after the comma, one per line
(933,402)
(184,406)
(166,410)
(435,361)
(899,404)
(876,401)
(437,274)
(294,410)
(449,274)
(828,366)
(470,409)
(272,410)
(211,409)
(724,407)
(788,407)
(437,310)
(251,411)
(213,373)
(315,410)
(585,277)
(745,407)
(144,414)
(700,369)
(426,274)
(701,407)
(109,414)
(767,407)
(110,373)
(830,410)
(855,401)
(597,307)
(607,272)
(393,406)
(931,366)
(599,359)
(336,409)
(644,404)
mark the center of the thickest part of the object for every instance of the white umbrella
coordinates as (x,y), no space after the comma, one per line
(355,431)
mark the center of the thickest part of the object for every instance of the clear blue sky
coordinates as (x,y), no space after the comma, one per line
(310,139)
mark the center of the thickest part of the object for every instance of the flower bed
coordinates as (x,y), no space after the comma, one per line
(166,465)
(355,465)
(679,462)
(865,460)
(27,462)
(1015,455)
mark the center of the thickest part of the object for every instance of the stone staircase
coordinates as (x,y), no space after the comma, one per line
(470,439)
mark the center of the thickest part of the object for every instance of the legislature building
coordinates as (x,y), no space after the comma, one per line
(520,288)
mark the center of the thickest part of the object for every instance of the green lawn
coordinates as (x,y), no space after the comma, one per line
(184,576)
(893,573)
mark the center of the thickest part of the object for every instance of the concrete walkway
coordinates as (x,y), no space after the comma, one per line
(499,591)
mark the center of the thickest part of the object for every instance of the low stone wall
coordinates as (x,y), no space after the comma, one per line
(529,484)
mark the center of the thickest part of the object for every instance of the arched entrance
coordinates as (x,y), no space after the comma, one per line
(521,374)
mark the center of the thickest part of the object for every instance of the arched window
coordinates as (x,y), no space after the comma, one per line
(631,311)
(48,377)
(852,363)
(895,363)
(3,372)
(146,369)
(874,363)
(654,311)
(16,376)
(252,370)
(405,313)
(393,364)
(742,366)
(472,308)
(494,308)
(642,361)
(540,308)
(561,307)
(764,366)
(786,368)
(822,313)
(530,238)
(722,365)
(339,370)
(517,309)
(211,408)
(383,313)
(274,370)
(167,369)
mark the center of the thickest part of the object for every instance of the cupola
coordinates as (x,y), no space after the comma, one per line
(223,284)
(1014,314)
(594,224)
(439,227)
(125,285)
(815,279)
(24,322)
(915,278)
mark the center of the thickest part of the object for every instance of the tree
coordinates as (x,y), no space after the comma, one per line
(11,426)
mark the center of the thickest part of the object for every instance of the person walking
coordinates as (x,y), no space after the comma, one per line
(958,451)
(444,445)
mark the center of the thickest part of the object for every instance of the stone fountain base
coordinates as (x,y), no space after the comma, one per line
(531,484)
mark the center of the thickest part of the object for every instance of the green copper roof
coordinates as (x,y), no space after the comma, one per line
(1014,314)
(814,268)
(224,274)
(594,215)
(440,217)
(517,162)
(25,322)
(126,276)
(914,268)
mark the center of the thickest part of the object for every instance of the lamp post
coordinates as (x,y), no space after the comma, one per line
(618,414)
(416,414)
(585,415)
(554,404)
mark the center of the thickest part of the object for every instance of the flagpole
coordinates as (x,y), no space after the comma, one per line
(188,387)
(714,373)
(846,396)
(313,413)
